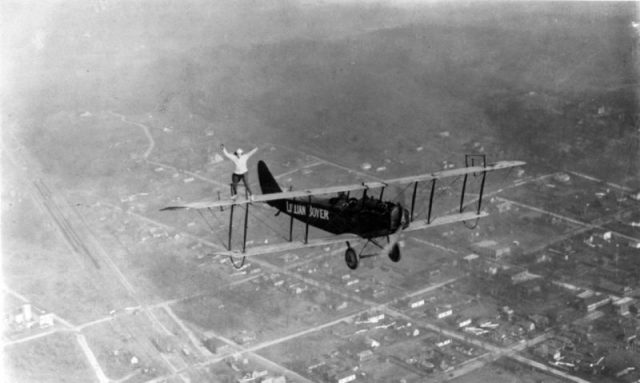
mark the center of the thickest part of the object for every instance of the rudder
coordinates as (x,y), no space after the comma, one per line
(268,184)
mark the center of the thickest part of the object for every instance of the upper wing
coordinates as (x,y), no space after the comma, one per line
(346,188)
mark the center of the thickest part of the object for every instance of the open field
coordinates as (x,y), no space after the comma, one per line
(50,359)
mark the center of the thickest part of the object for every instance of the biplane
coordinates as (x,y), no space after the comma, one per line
(368,217)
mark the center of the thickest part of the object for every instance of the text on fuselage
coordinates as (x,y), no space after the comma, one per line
(314,212)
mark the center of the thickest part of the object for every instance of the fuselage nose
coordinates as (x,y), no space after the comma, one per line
(406,220)
(399,218)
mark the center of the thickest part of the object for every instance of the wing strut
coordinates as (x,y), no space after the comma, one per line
(230,226)
(413,198)
(469,161)
(246,218)
(306,226)
(433,190)
(291,225)
(464,187)
(484,176)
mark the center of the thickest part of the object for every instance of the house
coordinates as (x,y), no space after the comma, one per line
(526,325)
(609,287)
(529,287)
(279,379)
(344,377)
(594,302)
(46,320)
(245,337)
(443,312)
(504,206)
(375,317)
(509,274)
(492,249)
(621,306)
(507,313)
(470,262)
(416,303)
(365,355)
(540,321)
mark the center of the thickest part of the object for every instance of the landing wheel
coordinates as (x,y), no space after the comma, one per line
(351,258)
(394,254)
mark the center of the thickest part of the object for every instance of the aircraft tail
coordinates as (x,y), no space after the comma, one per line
(269,185)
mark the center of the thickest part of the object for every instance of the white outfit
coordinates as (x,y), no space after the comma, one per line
(239,161)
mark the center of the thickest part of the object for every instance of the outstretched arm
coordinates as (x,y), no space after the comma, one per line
(252,152)
(227,154)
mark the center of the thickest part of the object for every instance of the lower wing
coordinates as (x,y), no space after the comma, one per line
(295,245)
(288,246)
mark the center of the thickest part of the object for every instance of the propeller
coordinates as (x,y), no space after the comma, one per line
(398,197)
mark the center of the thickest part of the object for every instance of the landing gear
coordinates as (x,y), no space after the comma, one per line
(394,254)
(351,257)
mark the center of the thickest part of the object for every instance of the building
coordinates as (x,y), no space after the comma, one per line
(492,249)
(507,313)
(344,377)
(504,206)
(27,313)
(609,287)
(511,275)
(375,317)
(529,287)
(46,320)
(594,302)
(341,306)
(245,337)
(365,355)
(372,343)
(416,303)
(470,262)
(526,325)
(548,350)
(443,312)
(351,282)
(621,306)
(541,322)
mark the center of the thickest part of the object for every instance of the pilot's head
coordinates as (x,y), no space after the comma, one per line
(239,152)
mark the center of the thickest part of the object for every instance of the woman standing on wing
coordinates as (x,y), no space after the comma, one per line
(241,172)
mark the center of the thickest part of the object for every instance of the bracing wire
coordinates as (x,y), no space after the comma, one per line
(441,190)
(265,223)
(205,220)
(213,231)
